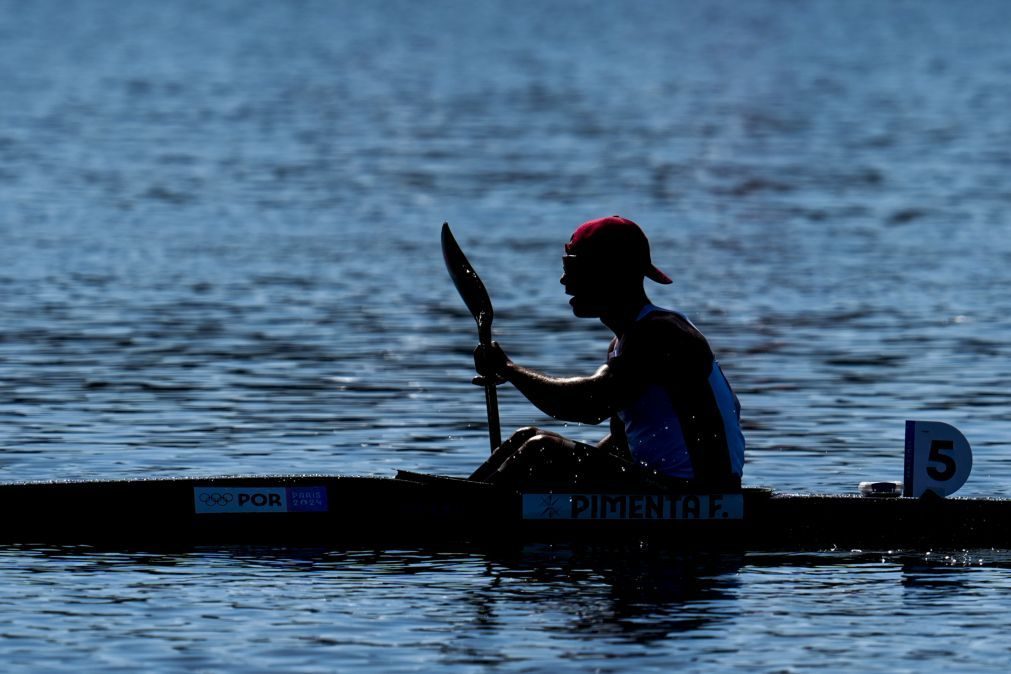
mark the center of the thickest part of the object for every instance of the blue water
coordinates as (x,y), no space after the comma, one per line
(220,255)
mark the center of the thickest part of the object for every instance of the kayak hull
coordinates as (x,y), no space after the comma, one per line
(346,511)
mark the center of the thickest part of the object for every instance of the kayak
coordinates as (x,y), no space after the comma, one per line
(417,509)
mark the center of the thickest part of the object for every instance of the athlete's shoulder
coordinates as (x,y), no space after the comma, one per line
(668,337)
(667,324)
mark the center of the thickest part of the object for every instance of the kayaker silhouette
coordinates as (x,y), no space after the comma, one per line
(674,419)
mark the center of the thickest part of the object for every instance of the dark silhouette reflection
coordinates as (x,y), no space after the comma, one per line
(633,594)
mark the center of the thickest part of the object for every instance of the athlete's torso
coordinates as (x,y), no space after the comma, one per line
(684,420)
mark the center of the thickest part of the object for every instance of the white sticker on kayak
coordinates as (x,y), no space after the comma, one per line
(211,500)
(633,506)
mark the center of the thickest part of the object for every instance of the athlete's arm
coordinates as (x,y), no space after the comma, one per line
(587,400)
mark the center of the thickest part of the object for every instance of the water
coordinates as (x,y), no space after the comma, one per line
(270,610)
(220,255)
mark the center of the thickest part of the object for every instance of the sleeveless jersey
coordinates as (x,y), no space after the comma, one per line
(683,420)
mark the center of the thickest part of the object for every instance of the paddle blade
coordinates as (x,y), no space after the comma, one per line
(471,289)
(468,284)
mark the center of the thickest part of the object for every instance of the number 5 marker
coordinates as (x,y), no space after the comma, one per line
(938,459)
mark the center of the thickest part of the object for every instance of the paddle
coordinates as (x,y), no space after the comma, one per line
(471,289)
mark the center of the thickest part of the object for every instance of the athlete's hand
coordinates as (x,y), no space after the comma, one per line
(490,362)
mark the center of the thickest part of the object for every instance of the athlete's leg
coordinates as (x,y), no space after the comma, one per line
(552,460)
(506,450)
(539,457)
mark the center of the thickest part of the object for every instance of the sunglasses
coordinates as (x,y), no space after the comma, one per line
(573,264)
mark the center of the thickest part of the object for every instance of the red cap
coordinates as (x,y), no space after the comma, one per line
(618,240)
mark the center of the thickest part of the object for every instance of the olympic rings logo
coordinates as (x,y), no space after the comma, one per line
(212,499)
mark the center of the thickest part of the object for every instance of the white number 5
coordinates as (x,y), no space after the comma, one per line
(938,459)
